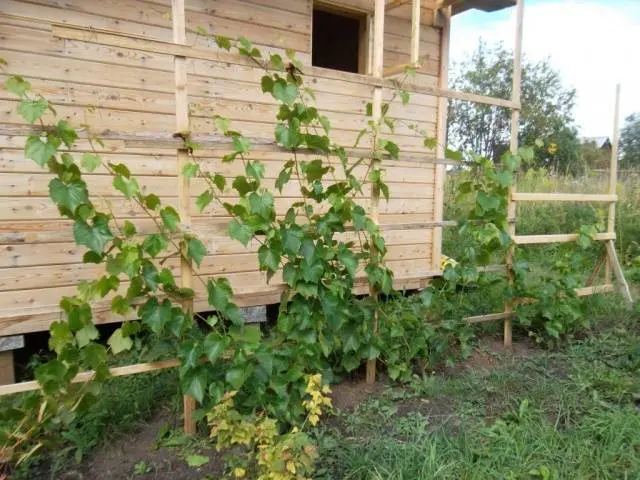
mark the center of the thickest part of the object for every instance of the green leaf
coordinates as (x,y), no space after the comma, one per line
(38,150)
(283,178)
(196,250)
(266,82)
(348,259)
(204,199)
(195,461)
(86,334)
(241,144)
(219,181)
(90,161)
(151,201)
(71,195)
(236,376)
(269,258)
(239,231)
(404,96)
(17,85)
(190,170)
(120,305)
(94,355)
(255,170)
(194,383)
(214,345)
(155,243)
(155,315)
(95,235)
(326,124)
(65,132)
(170,218)
(392,149)
(284,92)
(32,110)
(118,342)
(127,186)
(276,61)
(287,136)
(292,240)
(453,155)
(60,336)
(223,42)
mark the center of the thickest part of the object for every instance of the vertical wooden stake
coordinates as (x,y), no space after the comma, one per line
(515,123)
(444,19)
(182,126)
(613,179)
(415,33)
(376,110)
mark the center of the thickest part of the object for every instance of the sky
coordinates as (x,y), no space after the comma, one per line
(595,44)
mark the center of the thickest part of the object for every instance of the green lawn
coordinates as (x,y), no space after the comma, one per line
(573,413)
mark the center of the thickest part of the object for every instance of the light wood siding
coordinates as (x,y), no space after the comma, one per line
(124,92)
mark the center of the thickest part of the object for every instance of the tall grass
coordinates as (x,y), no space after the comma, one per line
(562,217)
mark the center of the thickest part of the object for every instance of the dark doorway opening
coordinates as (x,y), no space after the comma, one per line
(337,40)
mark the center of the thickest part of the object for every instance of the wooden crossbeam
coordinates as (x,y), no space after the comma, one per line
(562,197)
(617,269)
(557,238)
(395,4)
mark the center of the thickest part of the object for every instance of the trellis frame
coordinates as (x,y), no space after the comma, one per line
(376,77)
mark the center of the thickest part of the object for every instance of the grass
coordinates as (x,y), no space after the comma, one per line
(566,414)
(124,404)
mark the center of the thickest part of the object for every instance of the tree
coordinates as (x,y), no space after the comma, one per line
(547,109)
(630,141)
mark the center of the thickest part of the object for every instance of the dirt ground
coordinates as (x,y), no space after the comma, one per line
(118,459)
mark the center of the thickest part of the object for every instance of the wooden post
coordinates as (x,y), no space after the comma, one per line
(613,178)
(415,33)
(182,126)
(441,137)
(515,123)
(376,111)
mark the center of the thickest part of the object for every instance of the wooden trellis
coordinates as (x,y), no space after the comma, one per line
(377,78)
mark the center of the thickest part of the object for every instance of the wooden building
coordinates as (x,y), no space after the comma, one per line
(112,64)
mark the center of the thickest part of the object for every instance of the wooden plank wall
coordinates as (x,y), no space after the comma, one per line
(122,92)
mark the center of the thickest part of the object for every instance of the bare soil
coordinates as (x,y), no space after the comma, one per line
(118,459)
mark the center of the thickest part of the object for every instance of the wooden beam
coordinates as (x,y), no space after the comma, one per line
(594,290)
(88,375)
(395,4)
(613,177)
(136,42)
(562,197)
(184,200)
(376,114)
(414,56)
(441,138)
(398,69)
(557,238)
(489,318)
(515,128)
(617,269)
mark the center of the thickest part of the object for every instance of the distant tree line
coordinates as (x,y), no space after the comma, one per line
(547,114)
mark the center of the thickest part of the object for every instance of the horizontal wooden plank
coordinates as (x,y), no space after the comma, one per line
(489,318)
(34,320)
(13,161)
(557,238)
(105,37)
(46,275)
(141,18)
(562,197)
(37,185)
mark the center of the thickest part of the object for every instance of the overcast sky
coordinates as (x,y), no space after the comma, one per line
(594,43)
